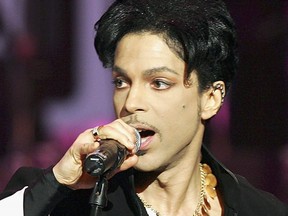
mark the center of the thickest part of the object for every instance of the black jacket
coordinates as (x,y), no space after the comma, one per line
(45,195)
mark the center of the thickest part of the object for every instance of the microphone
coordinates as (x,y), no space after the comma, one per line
(108,156)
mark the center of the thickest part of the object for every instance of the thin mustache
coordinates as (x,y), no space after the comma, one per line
(133,120)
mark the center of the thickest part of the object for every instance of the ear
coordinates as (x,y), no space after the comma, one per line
(212,100)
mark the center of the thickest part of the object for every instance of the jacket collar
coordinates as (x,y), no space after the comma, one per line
(228,184)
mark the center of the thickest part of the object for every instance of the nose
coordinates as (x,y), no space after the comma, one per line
(136,100)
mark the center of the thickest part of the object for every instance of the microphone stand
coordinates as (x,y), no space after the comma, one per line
(98,199)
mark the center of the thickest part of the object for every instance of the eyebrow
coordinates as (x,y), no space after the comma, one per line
(147,72)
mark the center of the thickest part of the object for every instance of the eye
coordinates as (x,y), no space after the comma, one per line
(160,84)
(119,83)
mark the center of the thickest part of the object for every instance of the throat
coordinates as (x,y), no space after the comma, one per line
(160,201)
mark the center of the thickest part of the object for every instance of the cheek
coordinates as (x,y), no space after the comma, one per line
(118,104)
(180,125)
(196,109)
(179,113)
(187,116)
(189,112)
(191,104)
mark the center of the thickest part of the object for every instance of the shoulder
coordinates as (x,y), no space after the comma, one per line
(24,176)
(253,201)
(239,196)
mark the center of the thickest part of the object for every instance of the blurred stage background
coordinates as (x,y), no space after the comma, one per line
(52,87)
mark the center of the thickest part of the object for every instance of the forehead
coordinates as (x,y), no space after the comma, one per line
(145,51)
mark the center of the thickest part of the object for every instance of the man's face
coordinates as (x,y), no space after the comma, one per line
(150,95)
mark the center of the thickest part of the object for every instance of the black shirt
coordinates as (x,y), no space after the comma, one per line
(45,195)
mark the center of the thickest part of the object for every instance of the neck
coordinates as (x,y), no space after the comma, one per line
(172,190)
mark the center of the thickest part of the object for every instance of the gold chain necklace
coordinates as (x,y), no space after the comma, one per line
(208,184)
(148,207)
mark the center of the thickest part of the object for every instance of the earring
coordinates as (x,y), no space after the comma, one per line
(221,88)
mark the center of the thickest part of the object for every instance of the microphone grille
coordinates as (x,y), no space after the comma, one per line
(138,140)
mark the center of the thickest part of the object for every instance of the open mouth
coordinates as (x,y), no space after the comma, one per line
(146,136)
(146,133)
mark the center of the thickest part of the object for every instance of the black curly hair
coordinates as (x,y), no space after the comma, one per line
(201,32)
